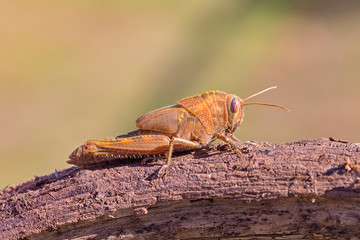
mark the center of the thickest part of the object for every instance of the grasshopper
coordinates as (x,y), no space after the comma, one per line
(192,123)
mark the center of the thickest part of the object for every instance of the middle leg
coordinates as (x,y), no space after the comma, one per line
(178,143)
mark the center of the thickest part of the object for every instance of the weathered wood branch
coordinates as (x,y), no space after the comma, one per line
(305,189)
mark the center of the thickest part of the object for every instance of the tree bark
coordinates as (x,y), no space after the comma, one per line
(308,189)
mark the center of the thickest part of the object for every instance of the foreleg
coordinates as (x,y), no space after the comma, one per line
(232,141)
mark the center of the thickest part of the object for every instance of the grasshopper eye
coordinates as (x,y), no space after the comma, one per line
(235,104)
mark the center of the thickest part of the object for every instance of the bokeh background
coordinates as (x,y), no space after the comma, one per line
(76,70)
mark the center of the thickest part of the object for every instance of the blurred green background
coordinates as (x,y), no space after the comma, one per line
(76,70)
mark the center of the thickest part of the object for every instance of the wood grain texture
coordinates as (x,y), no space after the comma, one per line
(308,189)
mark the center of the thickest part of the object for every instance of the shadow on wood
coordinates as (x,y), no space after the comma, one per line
(306,189)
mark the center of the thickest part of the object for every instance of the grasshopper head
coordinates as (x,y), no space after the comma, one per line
(235,109)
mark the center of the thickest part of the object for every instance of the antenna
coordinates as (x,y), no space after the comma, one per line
(264,104)
(259,93)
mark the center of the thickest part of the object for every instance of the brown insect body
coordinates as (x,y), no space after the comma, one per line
(192,123)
